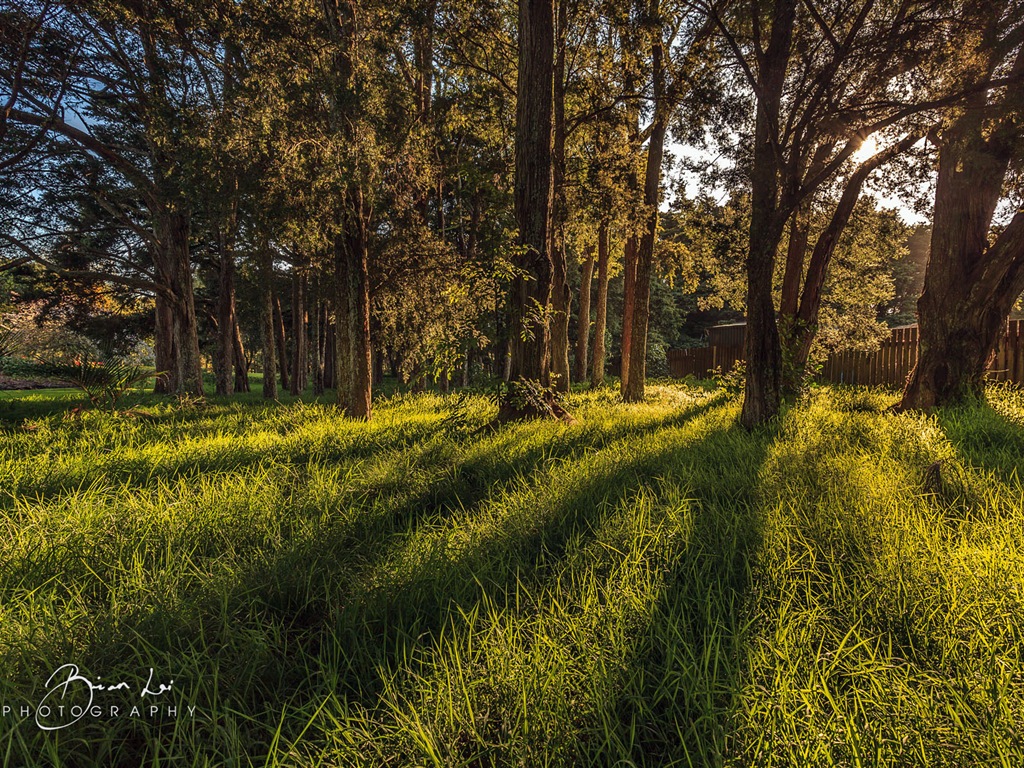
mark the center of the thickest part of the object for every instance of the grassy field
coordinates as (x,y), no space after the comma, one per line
(650,587)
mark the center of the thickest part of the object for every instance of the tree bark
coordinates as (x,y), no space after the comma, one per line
(282,350)
(269,327)
(629,256)
(529,331)
(561,297)
(583,321)
(316,341)
(224,355)
(177,338)
(240,363)
(635,379)
(762,395)
(970,285)
(299,343)
(601,319)
(354,372)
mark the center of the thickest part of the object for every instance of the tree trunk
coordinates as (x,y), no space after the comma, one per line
(629,256)
(561,297)
(354,373)
(798,312)
(529,331)
(224,355)
(762,395)
(969,285)
(177,335)
(269,327)
(282,350)
(298,332)
(316,342)
(240,363)
(583,321)
(601,319)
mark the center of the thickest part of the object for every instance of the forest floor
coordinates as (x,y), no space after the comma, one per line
(651,586)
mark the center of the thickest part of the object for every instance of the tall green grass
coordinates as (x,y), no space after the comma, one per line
(652,586)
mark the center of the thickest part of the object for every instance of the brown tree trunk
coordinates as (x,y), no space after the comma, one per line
(282,350)
(970,285)
(529,331)
(762,395)
(223,361)
(269,326)
(298,371)
(316,341)
(583,320)
(798,312)
(354,372)
(629,256)
(601,318)
(177,337)
(561,297)
(330,353)
(239,360)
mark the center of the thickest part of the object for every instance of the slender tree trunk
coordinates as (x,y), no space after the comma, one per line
(798,312)
(282,350)
(529,331)
(240,363)
(316,341)
(601,319)
(223,361)
(298,332)
(762,395)
(561,297)
(269,327)
(583,321)
(629,257)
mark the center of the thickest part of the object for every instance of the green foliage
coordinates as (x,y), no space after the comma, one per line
(732,381)
(104,382)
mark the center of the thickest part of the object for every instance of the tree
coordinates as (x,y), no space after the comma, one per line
(531,288)
(974,274)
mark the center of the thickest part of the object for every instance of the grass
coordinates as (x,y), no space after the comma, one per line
(652,586)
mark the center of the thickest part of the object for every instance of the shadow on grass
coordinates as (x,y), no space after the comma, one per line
(267,631)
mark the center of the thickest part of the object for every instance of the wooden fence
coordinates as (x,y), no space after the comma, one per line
(890,364)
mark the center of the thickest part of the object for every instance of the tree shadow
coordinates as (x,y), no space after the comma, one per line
(304,590)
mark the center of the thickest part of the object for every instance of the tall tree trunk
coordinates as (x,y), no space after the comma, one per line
(601,319)
(177,337)
(352,294)
(970,285)
(634,382)
(354,372)
(316,342)
(561,297)
(224,355)
(762,395)
(269,326)
(298,370)
(629,256)
(583,320)
(282,349)
(798,312)
(241,364)
(529,331)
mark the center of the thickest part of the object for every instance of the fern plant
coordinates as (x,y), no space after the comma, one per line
(103,382)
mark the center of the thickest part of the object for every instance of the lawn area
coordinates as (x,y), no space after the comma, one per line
(653,586)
